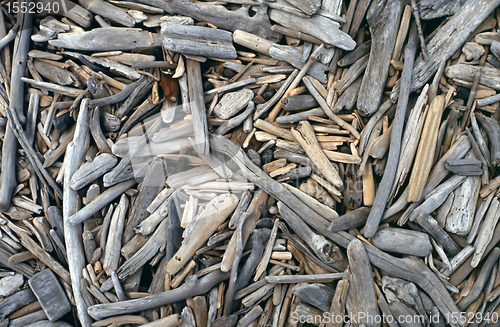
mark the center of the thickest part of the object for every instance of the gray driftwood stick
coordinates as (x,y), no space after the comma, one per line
(16,301)
(352,219)
(492,128)
(316,294)
(72,233)
(199,41)
(92,170)
(385,186)
(361,297)
(383,19)
(100,202)
(109,11)
(194,286)
(451,37)
(149,187)
(198,109)
(328,252)
(403,241)
(9,147)
(318,26)
(481,280)
(107,39)
(431,226)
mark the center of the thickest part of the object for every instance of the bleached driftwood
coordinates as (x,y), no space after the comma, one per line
(197,40)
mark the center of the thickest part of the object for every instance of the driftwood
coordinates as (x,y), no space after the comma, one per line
(402,241)
(50,294)
(157,212)
(395,143)
(198,41)
(472,14)
(360,282)
(10,145)
(383,19)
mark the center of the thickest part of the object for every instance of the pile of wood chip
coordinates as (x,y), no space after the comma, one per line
(250,163)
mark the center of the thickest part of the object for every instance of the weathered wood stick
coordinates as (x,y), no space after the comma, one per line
(449,38)
(307,139)
(92,170)
(16,301)
(64,90)
(328,252)
(361,296)
(294,279)
(72,234)
(43,256)
(204,226)
(250,223)
(194,286)
(113,241)
(16,98)
(315,26)
(425,150)
(438,196)
(197,40)
(320,208)
(100,202)
(492,128)
(383,19)
(169,321)
(385,187)
(198,106)
(485,234)
(430,225)
(402,241)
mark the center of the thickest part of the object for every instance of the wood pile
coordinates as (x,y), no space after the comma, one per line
(250,163)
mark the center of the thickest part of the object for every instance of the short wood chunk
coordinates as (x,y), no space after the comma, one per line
(472,50)
(232,103)
(464,167)
(198,41)
(92,170)
(50,294)
(316,294)
(403,241)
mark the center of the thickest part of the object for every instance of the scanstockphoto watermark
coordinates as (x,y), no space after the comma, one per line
(360,317)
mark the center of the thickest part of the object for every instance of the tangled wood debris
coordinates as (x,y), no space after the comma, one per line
(250,163)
